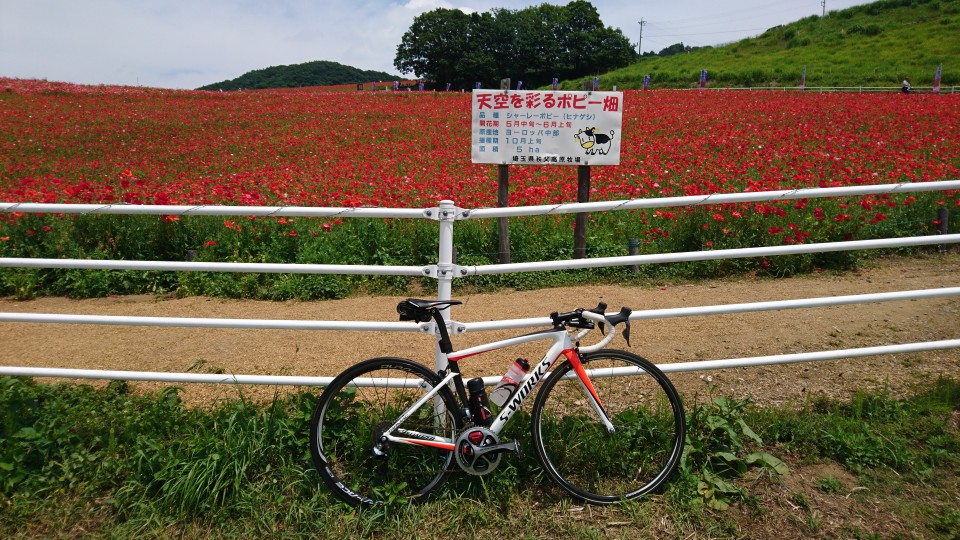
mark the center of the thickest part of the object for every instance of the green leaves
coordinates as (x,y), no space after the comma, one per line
(716,451)
(533,44)
(764,459)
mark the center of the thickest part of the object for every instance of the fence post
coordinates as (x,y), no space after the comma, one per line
(445,265)
(942,221)
(580,227)
(633,248)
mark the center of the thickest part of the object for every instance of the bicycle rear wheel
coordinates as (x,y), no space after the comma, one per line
(578,452)
(353,413)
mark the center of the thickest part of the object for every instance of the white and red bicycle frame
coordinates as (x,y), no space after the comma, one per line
(562,346)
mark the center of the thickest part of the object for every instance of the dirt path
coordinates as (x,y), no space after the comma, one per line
(324,353)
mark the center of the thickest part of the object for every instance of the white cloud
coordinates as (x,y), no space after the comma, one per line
(185,44)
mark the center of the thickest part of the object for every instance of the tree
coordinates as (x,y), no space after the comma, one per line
(593,48)
(434,45)
(533,44)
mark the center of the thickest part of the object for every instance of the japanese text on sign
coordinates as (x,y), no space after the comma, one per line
(527,127)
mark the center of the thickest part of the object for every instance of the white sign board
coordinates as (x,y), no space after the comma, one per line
(546,128)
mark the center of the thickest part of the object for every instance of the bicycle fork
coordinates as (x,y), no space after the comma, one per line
(574,357)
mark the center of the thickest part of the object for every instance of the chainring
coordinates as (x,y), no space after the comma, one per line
(469,451)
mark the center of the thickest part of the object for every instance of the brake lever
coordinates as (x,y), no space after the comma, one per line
(622,317)
(601,309)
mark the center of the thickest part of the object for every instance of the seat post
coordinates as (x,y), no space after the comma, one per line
(444,343)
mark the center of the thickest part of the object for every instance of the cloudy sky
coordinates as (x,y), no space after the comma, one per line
(190,43)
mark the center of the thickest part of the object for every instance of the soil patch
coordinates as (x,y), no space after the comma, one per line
(326,353)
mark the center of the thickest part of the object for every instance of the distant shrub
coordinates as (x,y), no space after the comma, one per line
(871,29)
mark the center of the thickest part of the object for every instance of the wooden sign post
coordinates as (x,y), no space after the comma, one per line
(503,201)
(519,127)
(580,225)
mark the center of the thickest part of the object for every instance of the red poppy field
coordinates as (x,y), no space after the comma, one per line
(311,147)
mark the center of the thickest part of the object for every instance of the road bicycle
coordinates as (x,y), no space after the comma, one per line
(607,425)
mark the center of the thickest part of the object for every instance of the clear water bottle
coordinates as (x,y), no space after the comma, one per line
(510,382)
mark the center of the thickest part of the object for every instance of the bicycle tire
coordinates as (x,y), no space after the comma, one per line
(349,418)
(575,448)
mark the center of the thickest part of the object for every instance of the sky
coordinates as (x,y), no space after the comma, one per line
(191,43)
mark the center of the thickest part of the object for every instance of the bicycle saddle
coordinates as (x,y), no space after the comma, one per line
(415,309)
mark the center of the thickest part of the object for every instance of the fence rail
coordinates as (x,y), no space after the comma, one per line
(482,213)
(446,270)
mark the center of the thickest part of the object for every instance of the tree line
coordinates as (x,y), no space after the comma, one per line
(532,45)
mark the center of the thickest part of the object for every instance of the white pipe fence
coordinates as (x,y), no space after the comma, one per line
(446,270)
(711,199)
(481,213)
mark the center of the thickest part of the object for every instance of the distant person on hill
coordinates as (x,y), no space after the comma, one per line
(905,86)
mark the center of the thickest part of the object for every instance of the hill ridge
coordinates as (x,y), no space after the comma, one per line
(876,44)
(315,73)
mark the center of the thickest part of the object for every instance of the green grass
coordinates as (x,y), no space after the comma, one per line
(878,44)
(75,460)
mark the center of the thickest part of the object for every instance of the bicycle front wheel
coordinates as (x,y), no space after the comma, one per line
(579,453)
(352,416)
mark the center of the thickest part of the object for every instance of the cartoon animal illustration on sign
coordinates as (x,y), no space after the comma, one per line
(593,142)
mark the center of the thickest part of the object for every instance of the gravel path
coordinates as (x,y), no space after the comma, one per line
(325,353)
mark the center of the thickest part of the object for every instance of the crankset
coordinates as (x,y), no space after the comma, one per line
(478,450)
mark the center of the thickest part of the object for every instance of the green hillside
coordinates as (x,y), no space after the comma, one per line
(318,73)
(876,44)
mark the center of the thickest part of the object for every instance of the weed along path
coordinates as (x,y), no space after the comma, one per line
(326,353)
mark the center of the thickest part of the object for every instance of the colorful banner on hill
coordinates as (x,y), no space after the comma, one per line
(703,78)
(546,128)
(646,82)
(936,80)
(803,78)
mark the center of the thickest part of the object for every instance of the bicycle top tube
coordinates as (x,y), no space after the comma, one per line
(558,336)
(413,309)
